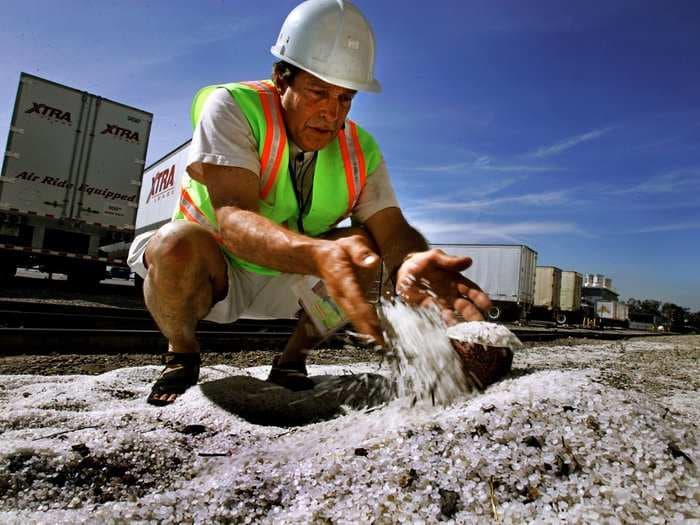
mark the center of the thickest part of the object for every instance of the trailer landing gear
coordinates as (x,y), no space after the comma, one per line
(87,277)
(138,283)
(8,269)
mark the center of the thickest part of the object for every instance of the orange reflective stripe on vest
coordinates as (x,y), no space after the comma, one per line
(275,135)
(354,161)
(193,214)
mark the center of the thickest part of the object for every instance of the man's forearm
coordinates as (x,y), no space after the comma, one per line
(249,235)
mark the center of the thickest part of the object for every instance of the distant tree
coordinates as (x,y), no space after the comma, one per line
(675,315)
(650,306)
(644,306)
(634,305)
(694,320)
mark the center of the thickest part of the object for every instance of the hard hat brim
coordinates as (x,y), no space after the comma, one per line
(372,87)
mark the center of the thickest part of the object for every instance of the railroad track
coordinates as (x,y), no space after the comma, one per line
(32,314)
(29,284)
(40,328)
(100,341)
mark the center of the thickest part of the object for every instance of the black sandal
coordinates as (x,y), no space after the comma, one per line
(181,372)
(292,376)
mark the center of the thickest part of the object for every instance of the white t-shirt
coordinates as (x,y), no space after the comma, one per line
(223,137)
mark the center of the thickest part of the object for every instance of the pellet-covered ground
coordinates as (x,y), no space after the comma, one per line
(659,364)
(654,366)
(603,432)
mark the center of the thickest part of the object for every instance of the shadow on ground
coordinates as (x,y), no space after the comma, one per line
(264,403)
(526,371)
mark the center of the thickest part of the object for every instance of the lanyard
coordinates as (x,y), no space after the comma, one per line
(299,170)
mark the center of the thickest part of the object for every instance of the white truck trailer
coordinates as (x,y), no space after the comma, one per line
(547,293)
(570,297)
(70,179)
(612,313)
(159,191)
(505,272)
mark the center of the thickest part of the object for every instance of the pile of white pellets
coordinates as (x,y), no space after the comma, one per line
(547,446)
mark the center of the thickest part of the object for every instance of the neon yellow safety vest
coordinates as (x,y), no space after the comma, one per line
(340,173)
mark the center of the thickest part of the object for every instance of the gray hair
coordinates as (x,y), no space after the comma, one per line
(282,70)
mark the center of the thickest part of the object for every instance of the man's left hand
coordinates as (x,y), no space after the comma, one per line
(433,277)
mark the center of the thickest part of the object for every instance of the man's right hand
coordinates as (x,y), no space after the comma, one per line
(348,266)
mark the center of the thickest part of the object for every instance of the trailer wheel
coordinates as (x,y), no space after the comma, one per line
(561,318)
(495,313)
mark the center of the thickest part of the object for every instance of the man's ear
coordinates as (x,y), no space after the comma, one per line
(280,84)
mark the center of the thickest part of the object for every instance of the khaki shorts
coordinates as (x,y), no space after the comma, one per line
(250,295)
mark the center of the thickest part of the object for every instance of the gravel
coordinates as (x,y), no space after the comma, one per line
(604,432)
(579,432)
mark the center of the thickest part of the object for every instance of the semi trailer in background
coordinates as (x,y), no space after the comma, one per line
(159,191)
(506,272)
(547,292)
(612,313)
(570,297)
(70,180)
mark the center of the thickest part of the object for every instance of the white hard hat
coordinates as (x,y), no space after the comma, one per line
(332,40)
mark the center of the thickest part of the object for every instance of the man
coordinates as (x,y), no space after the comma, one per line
(273,168)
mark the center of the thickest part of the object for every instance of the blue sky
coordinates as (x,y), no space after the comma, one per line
(572,127)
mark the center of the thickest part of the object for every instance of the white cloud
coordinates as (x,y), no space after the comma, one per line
(559,147)
(679,226)
(475,190)
(528,199)
(482,164)
(107,57)
(656,144)
(494,186)
(200,37)
(471,232)
(522,168)
(679,180)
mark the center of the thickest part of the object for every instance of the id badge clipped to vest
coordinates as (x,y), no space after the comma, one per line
(324,313)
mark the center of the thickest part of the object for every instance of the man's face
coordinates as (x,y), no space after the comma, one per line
(314,110)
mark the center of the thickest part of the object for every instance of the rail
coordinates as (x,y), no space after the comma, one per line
(28,327)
